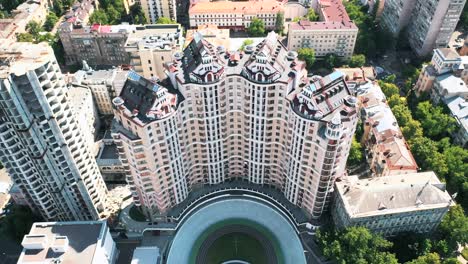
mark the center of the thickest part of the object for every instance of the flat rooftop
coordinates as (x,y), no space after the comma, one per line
(83,237)
(19,57)
(145,255)
(392,194)
(237,7)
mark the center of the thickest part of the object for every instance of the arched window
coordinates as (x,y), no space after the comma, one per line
(209,77)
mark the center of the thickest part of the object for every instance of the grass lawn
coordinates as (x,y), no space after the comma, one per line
(236,246)
(136,214)
(465,253)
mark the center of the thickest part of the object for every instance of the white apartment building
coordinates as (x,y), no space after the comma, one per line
(155,9)
(84,242)
(103,85)
(253,116)
(41,143)
(150,46)
(235,15)
(334,34)
(429,23)
(85,112)
(389,205)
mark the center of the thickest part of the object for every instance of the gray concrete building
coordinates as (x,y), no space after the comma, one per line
(429,23)
(41,143)
(389,205)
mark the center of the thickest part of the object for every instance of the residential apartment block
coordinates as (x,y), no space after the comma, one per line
(103,84)
(445,80)
(86,242)
(235,15)
(335,33)
(253,116)
(97,44)
(31,10)
(41,143)
(150,46)
(390,205)
(386,149)
(429,23)
(79,13)
(155,9)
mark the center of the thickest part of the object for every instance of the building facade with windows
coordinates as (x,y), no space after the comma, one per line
(390,205)
(150,46)
(155,9)
(41,143)
(235,15)
(334,34)
(429,24)
(253,116)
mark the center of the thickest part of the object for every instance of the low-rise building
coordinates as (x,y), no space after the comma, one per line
(108,161)
(357,76)
(146,255)
(235,15)
(386,149)
(389,205)
(79,13)
(103,85)
(97,44)
(31,10)
(335,33)
(211,33)
(84,242)
(150,46)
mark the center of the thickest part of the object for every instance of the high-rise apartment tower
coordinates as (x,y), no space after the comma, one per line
(250,115)
(41,144)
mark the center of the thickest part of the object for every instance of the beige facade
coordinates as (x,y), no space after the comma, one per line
(387,151)
(236,14)
(32,10)
(155,9)
(212,33)
(429,23)
(151,46)
(390,205)
(334,34)
(254,116)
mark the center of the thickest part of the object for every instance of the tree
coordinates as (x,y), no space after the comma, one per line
(25,37)
(165,20)
(355,245)
(113,15)
(256,28)
(412,130)
(355,153)
(279,25)
(9,5)
(50,21)
(331,61)
(99,17)
(136,12)
(34,28)
(431,258)
(311,15)
(357,60)
(389,89)
(390,78)
(409,245)
(454,227)
(434,121)
(426,153)
(307,55)
(245,43)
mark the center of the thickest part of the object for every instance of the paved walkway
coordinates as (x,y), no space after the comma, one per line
(216,212)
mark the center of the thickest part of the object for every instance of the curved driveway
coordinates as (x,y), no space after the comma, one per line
(220,211)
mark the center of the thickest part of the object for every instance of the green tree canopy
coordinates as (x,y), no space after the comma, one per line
(279,24)
(357,60)
(355,245)
(389,89)
(34,28)
(256,28)
(50,21)
(454,226)
(331,61)
(99,17)
(355,153)
(246,43)
(434,121)
(311,15)
(165,20)
(307,55)
(137,14)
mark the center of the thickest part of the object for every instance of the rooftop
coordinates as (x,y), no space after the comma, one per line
(459,109)
(448,53)
(145,255)
(20,57)
(213,34)
(392,194)
(43,239)
(237,7)
(451,85)
(163,37)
